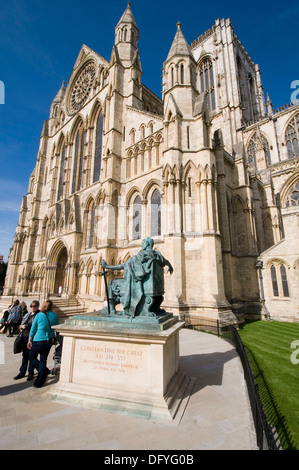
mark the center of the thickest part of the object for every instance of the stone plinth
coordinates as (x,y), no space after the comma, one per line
(118,367)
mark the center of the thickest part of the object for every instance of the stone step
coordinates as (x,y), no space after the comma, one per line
(69,313)
(63,307)
(66,303)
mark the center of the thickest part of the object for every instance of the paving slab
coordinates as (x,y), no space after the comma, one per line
(217,415)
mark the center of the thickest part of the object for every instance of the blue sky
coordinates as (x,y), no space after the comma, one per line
(40,41)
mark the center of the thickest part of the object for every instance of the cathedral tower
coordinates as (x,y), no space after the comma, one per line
(190,180)
(205,172)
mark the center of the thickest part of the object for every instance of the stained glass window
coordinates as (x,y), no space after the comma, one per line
(206,78)
(78,159)
(75,161)
(292,137)
(137,218)
(274,281)
(284,281)
(81,160)
(92,217)
(60,185)
(293,196)
(253,147)
(98,150)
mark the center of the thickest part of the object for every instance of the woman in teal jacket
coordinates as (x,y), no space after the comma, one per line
(41,340)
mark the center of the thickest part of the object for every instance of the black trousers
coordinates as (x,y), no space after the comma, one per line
(13,328)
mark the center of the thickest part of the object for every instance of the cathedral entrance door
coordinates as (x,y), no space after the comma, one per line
(60,271)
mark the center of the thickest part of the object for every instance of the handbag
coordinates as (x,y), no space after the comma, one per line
(18,344)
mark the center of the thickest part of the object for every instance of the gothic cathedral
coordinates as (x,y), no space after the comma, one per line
(210,172)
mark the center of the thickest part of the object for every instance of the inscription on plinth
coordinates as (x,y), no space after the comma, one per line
(107,363)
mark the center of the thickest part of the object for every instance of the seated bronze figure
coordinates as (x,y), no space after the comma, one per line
(141,289)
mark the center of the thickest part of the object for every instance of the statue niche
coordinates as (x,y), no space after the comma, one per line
(141,289)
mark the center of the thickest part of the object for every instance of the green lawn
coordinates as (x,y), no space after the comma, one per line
(272,358)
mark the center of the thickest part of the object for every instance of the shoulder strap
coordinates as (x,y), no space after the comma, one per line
(49,323)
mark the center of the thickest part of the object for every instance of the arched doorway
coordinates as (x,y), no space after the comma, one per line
(60,270)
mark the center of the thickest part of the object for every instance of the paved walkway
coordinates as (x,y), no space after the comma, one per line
(217,415)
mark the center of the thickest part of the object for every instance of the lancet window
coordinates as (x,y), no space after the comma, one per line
(61,174)
(274,281)
(91,217)
(98,149)
(137,218)
(78,159)
(284,281)
(156,214)
(89,225)
(206,78)
(182,74)
(279,281)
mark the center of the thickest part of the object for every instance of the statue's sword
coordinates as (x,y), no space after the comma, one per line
(104,273)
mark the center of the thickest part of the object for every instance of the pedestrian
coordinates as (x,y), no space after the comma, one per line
(40,341)
(3,322)
(25,328)
(14,318)
(24,310)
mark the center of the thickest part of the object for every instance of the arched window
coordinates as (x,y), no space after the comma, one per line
(78,159)
(91,217)
(284,281)
(252,152)
(89,225)
(182,74)
(156,214)
(102,78)
(206,77)
(137,218)
(98,149)
(293,196)
(251,97)
(60,183)
(258,141)
(132,133)
(292,137)
(274,281)
(172,76)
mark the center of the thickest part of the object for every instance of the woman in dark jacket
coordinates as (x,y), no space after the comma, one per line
(24,310)
(26,327)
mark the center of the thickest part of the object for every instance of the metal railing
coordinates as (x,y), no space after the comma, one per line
(265,434)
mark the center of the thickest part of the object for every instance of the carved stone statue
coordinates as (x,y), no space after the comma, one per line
(141,289)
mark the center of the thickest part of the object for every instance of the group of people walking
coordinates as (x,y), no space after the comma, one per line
(37,338)
(12,318)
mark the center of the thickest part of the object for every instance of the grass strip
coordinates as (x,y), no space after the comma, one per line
(269,348)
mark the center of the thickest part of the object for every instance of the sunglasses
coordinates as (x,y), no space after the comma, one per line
(33,306)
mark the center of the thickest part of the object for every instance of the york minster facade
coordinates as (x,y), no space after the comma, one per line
(210,172)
